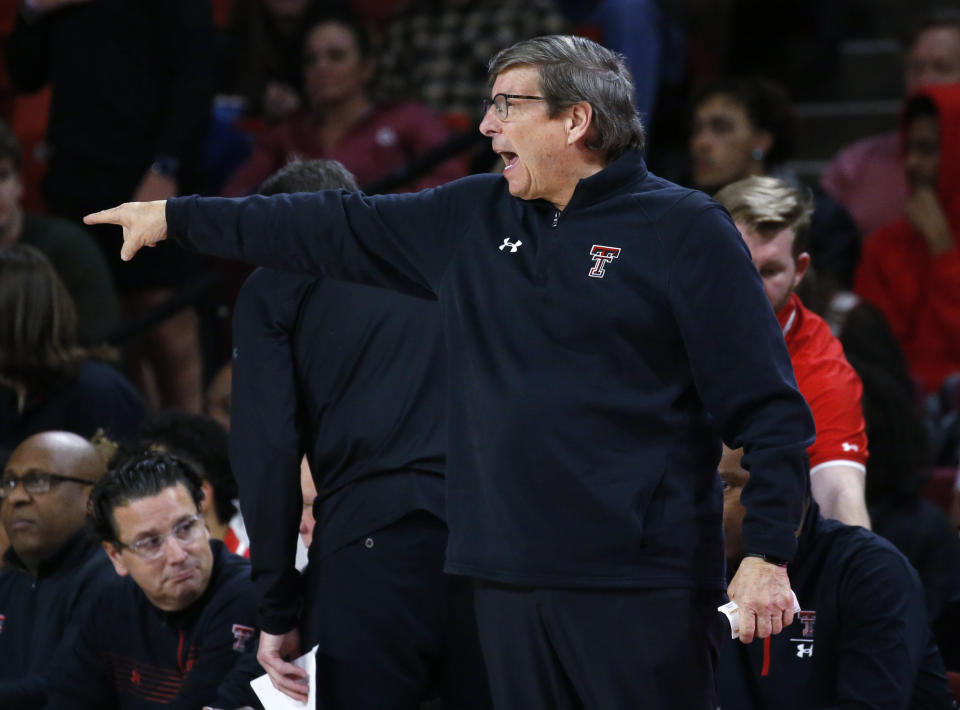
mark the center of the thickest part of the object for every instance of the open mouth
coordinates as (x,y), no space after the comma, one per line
(510,159)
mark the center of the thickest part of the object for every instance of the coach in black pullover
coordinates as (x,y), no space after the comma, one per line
(132,655)
(175,626)
(591,326)
(52,574)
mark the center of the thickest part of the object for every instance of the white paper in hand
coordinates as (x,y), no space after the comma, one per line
(732,612)
(273,699)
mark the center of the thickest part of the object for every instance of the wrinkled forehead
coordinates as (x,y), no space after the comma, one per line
(516,79)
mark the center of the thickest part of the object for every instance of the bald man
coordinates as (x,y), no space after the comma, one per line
(52,572)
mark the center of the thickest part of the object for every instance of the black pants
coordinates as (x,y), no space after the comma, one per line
(566,649)
(393,629)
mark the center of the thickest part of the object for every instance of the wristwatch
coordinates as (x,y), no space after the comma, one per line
(767,558)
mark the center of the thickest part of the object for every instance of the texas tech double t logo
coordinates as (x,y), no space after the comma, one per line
(601,257)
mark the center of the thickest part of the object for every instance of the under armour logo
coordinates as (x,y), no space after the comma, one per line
(601,257)
(135,677)
(242,634)
(847,446)
(513,245)
(804,649)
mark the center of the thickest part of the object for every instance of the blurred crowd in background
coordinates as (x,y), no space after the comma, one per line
(107,101)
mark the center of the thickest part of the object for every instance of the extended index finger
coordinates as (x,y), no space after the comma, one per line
(114,215)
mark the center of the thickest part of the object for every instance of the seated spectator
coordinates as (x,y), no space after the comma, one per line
(170,634)
(861,638)
(201,442)
(743,127)
(261,59)
(72,251)
(897,471)
(911,267)
(437,52)
(48,382)
(868,177)
(131,87)
(773,219)
(52,573)
(342,122)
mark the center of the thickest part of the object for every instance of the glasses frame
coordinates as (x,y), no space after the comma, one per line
(41,482)
(137,547)
(487,103)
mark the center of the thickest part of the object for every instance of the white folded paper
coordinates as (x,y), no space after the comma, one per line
(273,699)
(732,612)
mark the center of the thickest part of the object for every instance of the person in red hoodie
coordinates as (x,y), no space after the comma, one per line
(910,268)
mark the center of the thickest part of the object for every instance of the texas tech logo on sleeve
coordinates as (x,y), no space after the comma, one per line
(601,257)
(242,634)
(2,619)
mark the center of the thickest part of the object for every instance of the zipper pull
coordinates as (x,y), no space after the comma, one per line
(556,217)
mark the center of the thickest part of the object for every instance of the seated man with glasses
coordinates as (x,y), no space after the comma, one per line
(169,635)
(51,573)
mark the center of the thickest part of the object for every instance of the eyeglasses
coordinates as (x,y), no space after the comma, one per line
(151,548)
(36,482)
(502,106)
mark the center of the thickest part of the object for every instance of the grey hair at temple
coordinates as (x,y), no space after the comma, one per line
(574,69)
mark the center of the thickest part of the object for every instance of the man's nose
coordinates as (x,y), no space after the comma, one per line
(489,124)
(175,550)
(699,141)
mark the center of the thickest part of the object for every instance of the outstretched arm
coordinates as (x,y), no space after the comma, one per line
(401,242)
(144,224)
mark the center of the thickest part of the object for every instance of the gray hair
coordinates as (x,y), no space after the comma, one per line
(574,69)
(309,176)
(768,205)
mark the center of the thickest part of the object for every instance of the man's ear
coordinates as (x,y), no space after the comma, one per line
(114,554)
(803,263)
(579,121)
(207,497)
(764,141)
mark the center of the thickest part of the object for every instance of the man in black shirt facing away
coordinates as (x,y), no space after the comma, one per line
(52,574)
(169,635)
(353,377)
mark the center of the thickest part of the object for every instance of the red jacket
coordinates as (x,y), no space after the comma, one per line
(919,293)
